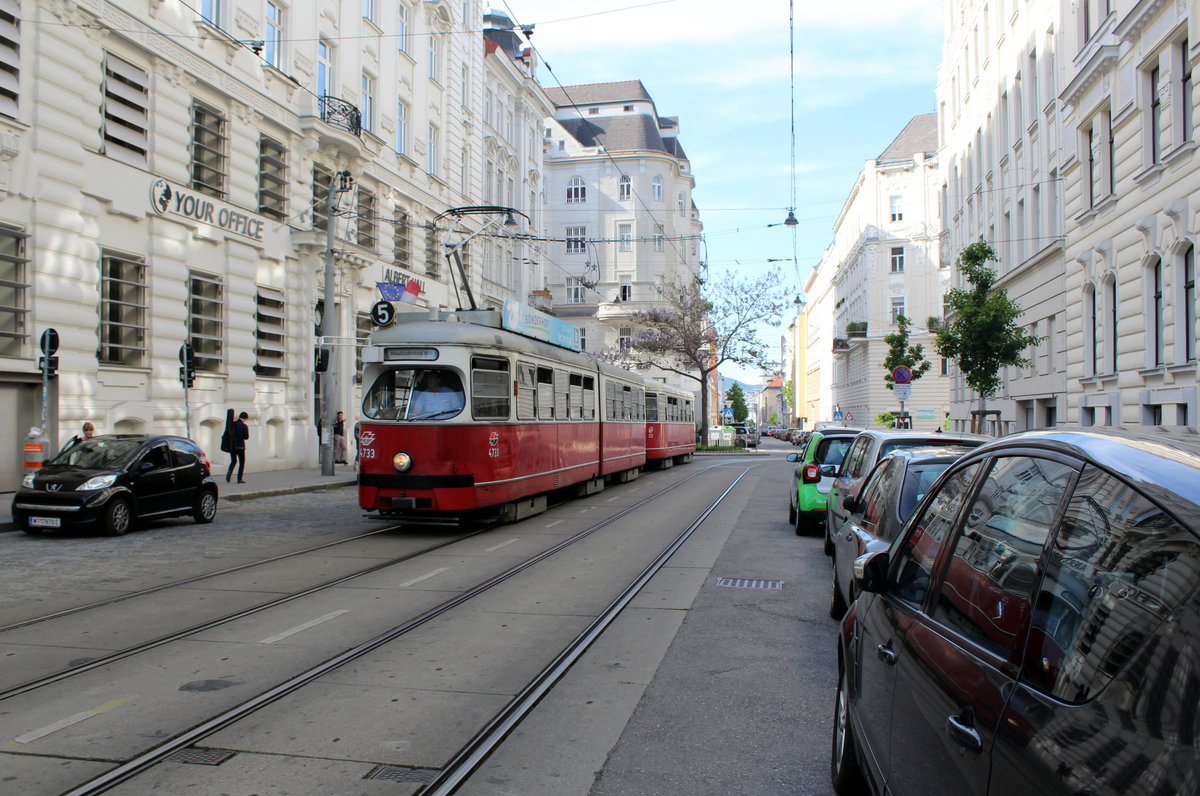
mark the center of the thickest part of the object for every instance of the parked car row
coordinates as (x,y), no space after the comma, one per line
(1021,615)
(111,481)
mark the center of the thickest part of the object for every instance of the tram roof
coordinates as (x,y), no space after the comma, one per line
(481,328)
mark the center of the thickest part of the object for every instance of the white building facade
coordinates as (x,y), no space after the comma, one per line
(1002,134)
(620,222)
(884,262)
(164,174)
(1132,182)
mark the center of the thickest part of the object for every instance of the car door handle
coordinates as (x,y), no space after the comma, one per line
(886,653)
(964,733)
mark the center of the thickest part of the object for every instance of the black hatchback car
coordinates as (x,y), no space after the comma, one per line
(1035,628)
(111,481)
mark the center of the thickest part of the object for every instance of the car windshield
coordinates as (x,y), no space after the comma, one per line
(97,454)
(414,394)
(917,481)
(832,450)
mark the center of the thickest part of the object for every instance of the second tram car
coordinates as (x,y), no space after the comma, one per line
(670,425)
(462,418)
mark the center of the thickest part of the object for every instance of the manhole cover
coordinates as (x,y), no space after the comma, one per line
(401,774)
(749,583)
(203,757)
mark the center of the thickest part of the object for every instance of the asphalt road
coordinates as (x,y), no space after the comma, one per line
(696,688)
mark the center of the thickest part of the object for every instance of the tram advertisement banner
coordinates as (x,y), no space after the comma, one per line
(523,319)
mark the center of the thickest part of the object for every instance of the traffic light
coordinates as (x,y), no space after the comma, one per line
(49,365)
(321,360)
(187,373)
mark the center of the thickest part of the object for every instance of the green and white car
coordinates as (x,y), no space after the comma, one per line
(816,467)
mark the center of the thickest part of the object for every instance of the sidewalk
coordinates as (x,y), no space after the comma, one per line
(275,482)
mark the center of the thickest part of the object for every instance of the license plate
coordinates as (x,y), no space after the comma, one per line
(46,522)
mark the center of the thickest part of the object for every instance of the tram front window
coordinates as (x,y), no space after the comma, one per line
(414,394)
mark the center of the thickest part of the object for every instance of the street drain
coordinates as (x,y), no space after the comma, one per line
(749,583)
(401,774)
(203,757)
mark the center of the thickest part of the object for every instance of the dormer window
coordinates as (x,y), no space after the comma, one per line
(628,109)
(593,111)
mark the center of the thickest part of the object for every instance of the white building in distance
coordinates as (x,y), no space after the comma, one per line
(883,262)
(619,216)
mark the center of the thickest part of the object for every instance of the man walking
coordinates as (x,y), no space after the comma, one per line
(238,433)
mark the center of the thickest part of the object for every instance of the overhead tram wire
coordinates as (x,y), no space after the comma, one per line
(791,221)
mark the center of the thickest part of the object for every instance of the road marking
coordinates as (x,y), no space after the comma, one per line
(426,576)
(494,548)
(303,627)
(69,721)
(552,524)
(611,499)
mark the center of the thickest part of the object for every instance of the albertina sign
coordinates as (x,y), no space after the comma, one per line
(167,199)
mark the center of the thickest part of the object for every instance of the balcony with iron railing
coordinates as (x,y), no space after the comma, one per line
(340,127)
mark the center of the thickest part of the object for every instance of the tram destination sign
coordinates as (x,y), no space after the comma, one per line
(523,319)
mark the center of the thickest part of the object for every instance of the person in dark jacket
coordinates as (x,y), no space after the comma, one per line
(235,440)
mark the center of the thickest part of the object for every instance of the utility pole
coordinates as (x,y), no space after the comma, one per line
(342,183)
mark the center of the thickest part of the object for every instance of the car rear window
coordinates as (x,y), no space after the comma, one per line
(832,450)
(904,444)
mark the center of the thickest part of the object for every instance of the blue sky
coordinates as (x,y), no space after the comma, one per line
(863,68)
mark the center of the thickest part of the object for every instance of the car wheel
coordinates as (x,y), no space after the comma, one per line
(847,777)
(837,604)
(791,513)
(801,523)
(118,517)
(206,506)
(828,539)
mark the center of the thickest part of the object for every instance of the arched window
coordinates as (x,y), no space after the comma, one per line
(624,189)
(656,186)
(576,190)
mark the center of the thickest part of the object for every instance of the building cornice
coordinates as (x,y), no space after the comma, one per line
(1101,63)
(1138,18)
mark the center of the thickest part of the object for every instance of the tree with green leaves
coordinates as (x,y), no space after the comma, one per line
(788,391)
(737,402)
(982,334)
(901,353)
(696,327)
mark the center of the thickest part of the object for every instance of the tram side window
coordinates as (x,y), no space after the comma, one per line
(610,401)
(526,391)
(627,408)
(575,399)
(639,404)
(489,389)
(687,414)
(651,408)
(545,394)
(560,394)
(589,398)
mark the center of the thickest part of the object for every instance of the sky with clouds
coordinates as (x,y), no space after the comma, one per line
(862,70)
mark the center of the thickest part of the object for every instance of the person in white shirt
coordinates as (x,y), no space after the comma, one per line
(435,401)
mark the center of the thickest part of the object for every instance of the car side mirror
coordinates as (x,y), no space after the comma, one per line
(850,504)
(870,572)
(144,466)
(829,470)
(793,457)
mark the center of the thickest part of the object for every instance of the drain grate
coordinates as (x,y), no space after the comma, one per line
(401,774)
(202,757)
(749,583)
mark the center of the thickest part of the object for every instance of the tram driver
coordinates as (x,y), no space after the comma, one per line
(436,397)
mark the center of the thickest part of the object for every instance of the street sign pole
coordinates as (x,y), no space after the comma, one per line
(49,346)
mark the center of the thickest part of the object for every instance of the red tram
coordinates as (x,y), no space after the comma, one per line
(462,418)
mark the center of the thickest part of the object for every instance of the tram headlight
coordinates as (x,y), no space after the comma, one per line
(402,462)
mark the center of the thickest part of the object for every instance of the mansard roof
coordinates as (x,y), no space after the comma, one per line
(919,135)
(595,93)
(621,133)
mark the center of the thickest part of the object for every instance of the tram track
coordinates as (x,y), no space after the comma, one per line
(479,747)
